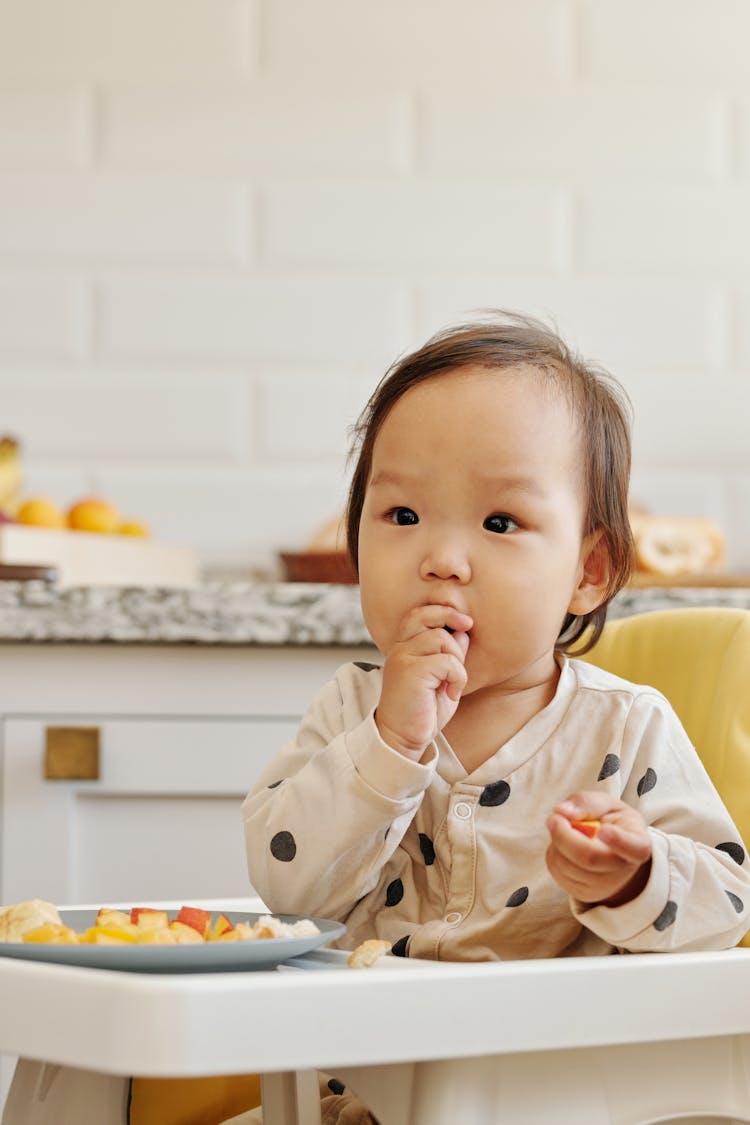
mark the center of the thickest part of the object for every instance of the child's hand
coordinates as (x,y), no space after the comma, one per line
(423,677)
(609,868)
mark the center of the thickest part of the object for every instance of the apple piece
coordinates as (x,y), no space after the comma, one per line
(186,935)
(138,912)
(199,919)
(158,937)
(589,826)
(108,917)
(152,920)
(221,926)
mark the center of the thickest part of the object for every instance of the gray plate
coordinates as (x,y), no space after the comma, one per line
(211,957)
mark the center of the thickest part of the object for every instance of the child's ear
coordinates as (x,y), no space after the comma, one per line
(595,568)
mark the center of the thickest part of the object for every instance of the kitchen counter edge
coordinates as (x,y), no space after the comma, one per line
(259,613)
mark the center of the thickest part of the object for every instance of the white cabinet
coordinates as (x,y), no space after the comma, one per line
(161,821)
(182,732)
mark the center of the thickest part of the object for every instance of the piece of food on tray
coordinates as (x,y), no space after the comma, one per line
(677,545)
(52,933)
(17,920)
(366,954)
(39,921)
(270,927)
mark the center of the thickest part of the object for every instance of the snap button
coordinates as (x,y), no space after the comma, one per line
(453,917)
(462,810)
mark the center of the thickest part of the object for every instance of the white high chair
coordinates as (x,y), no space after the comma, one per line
(602,1041)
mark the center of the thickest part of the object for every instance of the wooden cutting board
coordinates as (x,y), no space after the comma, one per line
(642,580)
(9,573)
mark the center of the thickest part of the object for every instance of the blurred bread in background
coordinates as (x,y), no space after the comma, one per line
(325,557)
(677,545)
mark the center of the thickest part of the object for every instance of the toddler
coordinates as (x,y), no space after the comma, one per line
(431,801)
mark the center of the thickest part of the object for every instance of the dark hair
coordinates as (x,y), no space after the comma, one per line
(508,340)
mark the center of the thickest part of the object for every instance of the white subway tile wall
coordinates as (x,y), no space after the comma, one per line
(221,221)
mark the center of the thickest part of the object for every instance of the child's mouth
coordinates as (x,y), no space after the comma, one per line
(449,630)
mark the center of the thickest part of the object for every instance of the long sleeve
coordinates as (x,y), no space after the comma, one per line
(332,808)
(698,892)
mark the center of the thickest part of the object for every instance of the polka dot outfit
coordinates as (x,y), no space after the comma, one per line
(449,865)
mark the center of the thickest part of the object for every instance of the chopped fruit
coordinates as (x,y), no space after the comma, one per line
(152,920)
(158,937)
(108,917)
(54,933)
(589,826)
(186,935)
(221,926)
(136,912)
(200,920)
(106,935)
(146,925)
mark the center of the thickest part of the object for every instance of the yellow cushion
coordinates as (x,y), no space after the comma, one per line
(192,1101)
(699,658)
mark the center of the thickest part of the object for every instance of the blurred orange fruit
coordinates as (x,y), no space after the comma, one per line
(38,511)
(133,527)
(92,514)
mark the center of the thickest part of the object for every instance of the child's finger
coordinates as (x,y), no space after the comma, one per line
(635,847)
(434,617)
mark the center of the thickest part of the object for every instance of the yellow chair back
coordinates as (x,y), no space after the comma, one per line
(699,658)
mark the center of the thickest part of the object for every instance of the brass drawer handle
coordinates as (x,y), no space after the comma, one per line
(72,754)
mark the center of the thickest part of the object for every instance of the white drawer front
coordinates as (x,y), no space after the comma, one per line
(161,821)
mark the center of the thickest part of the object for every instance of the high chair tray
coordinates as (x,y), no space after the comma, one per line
(206,957)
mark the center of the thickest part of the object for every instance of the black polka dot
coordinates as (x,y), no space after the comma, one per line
(647,782)
(394,893)
(495,794)
(736,902)
(398,949)
(335,1086)
(283,846)
(667,916)
(275,783)
(518,898)
(365,666)
(734,851)
(610,765)
(427,848)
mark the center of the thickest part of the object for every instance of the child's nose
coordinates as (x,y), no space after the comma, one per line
(446,561)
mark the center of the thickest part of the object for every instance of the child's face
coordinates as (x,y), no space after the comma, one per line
(476,500)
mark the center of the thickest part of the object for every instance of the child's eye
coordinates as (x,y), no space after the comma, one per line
(402,516)
(500,524)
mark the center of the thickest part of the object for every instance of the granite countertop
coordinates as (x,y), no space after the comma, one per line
(258,613)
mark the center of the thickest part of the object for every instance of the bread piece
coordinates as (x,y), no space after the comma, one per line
(366,954)
(330,537)
(18,919)
(676,545)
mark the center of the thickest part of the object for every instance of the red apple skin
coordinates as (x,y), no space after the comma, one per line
(136,910)
(589,827)
(221,926)
(200,920)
